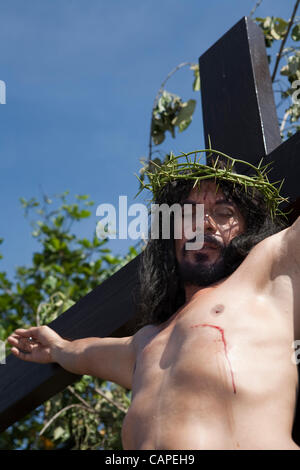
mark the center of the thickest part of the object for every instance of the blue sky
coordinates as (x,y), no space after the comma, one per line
(81,78)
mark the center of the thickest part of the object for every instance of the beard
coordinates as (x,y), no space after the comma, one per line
(201,272)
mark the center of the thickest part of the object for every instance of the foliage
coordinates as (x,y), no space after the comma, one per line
(277,30)
(274,29)
(63,270)
(170,112)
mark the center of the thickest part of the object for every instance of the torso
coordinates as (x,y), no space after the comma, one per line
(217,375)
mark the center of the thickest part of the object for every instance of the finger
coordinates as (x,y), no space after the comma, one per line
(20,343)
(21,355)
(12,339)
(16,337)
(28,332)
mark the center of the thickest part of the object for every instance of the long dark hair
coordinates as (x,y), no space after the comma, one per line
(160,292)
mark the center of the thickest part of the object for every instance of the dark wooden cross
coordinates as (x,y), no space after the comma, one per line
(240,118)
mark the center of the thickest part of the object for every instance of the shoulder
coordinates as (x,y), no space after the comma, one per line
(144,332)
(265,260)
(142,335)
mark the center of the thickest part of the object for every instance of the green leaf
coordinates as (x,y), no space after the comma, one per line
(184,125)
(84,213)
(55,242)
(58,433)
(133,251)
(50,283)
(274,28)
(292,69)
(184,117)
(267,22)
(110,259)
(296,33)
(274,34)
(85,243)
(158,138)
(280,26)
(196,83)
(58,221)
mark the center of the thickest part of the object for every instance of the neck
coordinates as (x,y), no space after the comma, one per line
(192,290)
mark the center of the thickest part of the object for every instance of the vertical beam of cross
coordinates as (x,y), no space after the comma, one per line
(239,113)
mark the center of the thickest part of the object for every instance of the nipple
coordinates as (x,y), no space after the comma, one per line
(217,309)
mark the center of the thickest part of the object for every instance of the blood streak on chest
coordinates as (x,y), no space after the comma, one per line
(221,331)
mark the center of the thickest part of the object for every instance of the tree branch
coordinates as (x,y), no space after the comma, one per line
(255,8)
(85,403)
(283,123)
(62,411)
(117,405)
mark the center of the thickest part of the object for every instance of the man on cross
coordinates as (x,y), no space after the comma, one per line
(211,365)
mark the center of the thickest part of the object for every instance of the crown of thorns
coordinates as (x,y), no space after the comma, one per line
(187,166)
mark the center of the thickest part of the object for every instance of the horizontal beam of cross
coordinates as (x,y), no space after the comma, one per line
(285,165)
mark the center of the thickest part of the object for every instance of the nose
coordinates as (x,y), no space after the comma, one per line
(209,223)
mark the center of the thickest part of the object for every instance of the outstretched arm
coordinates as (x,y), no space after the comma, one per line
(107,358)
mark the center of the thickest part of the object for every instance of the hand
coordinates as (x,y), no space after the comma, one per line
(35,344)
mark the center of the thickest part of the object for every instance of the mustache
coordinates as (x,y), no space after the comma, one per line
(207,239)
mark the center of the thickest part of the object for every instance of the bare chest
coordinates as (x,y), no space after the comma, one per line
(220,336)
(219,356)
